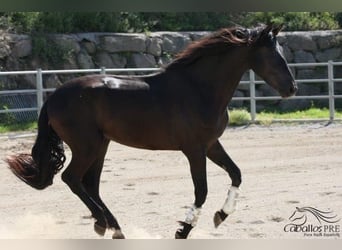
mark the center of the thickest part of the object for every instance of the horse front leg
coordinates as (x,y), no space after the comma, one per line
(197,162)
(218,155)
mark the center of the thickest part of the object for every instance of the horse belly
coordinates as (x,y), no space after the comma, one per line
(142,138)
(140,130)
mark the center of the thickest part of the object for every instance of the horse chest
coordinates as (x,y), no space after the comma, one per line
(214,125)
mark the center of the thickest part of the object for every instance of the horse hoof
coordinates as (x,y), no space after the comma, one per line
(100,230)
(219,217)
(183,233)
(118,235)
(179,235)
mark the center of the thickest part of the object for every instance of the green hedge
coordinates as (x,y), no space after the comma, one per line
(71,22)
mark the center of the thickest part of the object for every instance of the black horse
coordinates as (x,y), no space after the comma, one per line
(183,107)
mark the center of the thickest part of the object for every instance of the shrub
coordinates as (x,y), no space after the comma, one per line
(70,22)
(47,50)
(296,21)
(239,117)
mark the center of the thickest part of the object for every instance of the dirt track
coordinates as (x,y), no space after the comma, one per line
(283,167)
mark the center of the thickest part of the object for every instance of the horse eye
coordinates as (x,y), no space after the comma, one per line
(239,34)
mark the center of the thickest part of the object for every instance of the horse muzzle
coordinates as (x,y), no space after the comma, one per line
(291,91)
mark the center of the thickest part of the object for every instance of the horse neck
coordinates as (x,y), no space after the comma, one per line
(218,76)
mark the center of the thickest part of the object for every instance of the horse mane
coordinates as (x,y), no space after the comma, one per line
(217,42)
(320,215)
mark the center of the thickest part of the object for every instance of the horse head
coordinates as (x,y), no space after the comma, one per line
(268,61)
(298,217)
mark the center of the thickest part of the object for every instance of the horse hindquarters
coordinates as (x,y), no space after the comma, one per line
(73,117)
(88,147)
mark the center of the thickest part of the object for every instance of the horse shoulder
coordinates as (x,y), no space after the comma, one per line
(214,125)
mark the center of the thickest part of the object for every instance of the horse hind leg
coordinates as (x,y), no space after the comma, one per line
(91,181)
(73,176)
(112,223)
(218,155)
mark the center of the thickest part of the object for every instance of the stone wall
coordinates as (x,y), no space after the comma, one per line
(113,50)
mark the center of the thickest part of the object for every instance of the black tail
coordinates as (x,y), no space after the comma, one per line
(46,159)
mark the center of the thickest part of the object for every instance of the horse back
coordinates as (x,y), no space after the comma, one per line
(128,110)
(144,112)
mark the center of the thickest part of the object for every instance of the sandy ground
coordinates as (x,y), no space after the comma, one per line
(283,167)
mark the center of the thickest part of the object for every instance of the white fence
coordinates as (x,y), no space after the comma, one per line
(252,82)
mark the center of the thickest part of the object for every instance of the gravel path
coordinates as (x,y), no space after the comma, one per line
(283,167)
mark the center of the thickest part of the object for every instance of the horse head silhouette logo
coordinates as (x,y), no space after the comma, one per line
(300,216)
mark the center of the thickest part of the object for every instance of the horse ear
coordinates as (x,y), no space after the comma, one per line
(267,29)
(277,29)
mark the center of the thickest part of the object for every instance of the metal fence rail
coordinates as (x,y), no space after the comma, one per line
(330,80)
(252,82)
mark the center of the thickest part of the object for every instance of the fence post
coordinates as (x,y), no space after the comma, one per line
(252,94)
(103,70)
(39,79)
(331,90)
